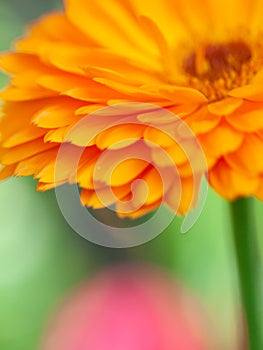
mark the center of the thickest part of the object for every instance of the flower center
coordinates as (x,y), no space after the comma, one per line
(216,69)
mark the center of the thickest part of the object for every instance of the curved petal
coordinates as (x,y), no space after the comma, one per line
(230,183)
(251,92)
(249,158)
(26,150)
(221,140)
(117,26)
(248,118)
(42,35)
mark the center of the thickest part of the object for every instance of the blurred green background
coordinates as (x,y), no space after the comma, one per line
(41,258)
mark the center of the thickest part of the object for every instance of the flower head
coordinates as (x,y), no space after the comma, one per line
(130,307)
(200,60)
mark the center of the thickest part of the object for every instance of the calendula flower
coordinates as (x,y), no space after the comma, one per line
(200,60)
(132,308)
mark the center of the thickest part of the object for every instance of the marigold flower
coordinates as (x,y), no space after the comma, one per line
(201,60)
(130,308)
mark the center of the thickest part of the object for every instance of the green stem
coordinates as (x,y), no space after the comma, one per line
(248,264)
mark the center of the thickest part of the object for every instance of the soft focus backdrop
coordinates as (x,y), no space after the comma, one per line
(41,258)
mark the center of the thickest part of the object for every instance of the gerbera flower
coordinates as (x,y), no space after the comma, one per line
(131,307)
(199,60)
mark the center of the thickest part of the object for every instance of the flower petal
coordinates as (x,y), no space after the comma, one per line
(59,114)
(36,164)
(220,141)
(16,62)
(120,36)
(16,94)
(29,149)
(202,121)
(112,137)
(251,92)
(248,118)
(230,183)
(225,106)
(23,136)
(248,158)
(7,171)
(182,196)
(18,115)
(179,94)
(103,197)
(42,35)
(135,214)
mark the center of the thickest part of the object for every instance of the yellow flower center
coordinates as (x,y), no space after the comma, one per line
(215,69)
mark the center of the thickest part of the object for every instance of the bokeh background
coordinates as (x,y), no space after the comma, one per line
(42,259)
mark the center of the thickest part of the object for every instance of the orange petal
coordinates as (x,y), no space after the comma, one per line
(248,158)
(248,118)
(163,14)
(93,93)
(103,197)
(125,172)
(18,153)
(43,32)
(120,37)
(230,183)
(183,195)
(42,186)
(85,132)
(87,109)
(69,58)
(101,62)
(13,93)
(180,95)
(135,214)
(63,82)
(202,121)
(225,106)
(62,169)
(57,115)
(175,155)
(158,137)
(112,137)
(86,173)
(7,171)
(57,135)
(17,62)
(119,167)
(251,92)
(17,116)
(221,140)
(34,165)
(195,164)
(25,135)
(128,90)
(155,186)
(259,191)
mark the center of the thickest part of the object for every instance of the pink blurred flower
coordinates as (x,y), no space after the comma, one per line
(130,308)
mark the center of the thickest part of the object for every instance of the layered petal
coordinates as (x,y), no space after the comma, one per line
(198,64)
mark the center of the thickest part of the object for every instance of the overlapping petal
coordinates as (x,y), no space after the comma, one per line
(201,60)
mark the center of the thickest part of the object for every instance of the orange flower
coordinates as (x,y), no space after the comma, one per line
(201,60)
